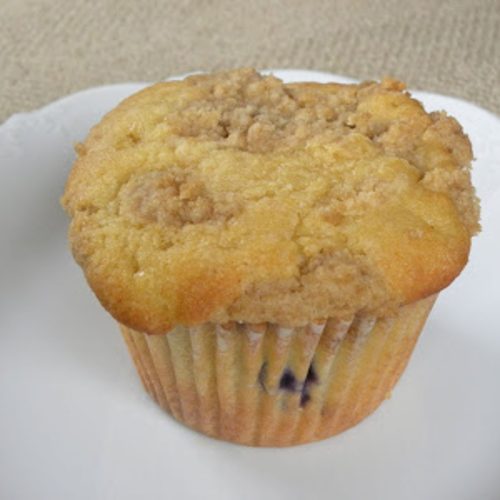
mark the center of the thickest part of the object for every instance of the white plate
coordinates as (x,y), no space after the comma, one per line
(76,424)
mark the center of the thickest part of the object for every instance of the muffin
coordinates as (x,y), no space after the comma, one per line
(271,251)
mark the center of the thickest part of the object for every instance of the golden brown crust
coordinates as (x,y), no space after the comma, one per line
(235,197)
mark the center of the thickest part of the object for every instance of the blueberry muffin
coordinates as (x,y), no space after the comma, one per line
(271,251)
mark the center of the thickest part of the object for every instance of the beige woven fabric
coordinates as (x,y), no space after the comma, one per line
(50,48)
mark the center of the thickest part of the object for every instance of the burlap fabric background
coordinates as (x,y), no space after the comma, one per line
(49,48)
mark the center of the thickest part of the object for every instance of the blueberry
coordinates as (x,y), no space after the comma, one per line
(288,382)
(311,377)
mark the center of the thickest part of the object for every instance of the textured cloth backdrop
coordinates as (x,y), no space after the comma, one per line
(49,48)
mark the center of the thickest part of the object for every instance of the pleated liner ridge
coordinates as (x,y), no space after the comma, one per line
(266,385)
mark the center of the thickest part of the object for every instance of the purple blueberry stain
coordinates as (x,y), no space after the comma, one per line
(304,398)
(288,382)
(311,377)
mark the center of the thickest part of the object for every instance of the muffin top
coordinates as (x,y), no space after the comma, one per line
(236,197)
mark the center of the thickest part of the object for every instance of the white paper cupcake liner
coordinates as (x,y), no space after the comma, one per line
(267,385)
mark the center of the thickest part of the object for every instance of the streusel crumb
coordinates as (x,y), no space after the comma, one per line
(234,196)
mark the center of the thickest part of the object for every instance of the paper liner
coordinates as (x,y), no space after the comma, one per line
(266,385)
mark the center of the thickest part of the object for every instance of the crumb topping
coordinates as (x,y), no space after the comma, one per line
(234,196)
